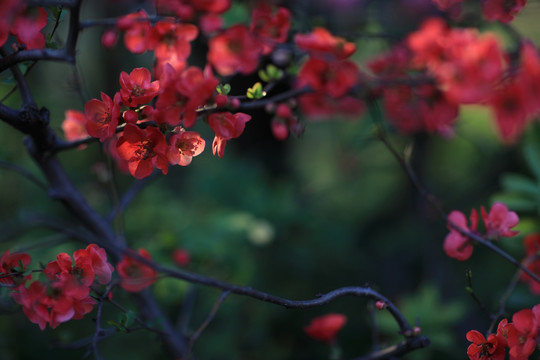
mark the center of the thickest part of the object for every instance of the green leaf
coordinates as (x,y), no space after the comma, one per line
(223,89)
(520,184)
(256,91)
(126,319)
(532,156)
(271,73)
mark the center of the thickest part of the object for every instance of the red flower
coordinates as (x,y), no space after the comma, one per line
(234,50)
(183,93)
(137,30)
(226,126)
(27,27)
(325,328)
(181,257)
(271,27)
(143,150)
(74,126)
(482,349)
(499,221)
(334,78)
(522,337)
(184,145)
(12,263)
(102,116)
(135,275)
(137,87)
(169,39)
(320,42)
(510,108)
(98,259)
(466,76)
(9,10)
(456,245)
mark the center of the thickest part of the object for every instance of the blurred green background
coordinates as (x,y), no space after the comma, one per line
(296,218)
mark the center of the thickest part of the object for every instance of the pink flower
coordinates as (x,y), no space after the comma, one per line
(499,221)
(456,245)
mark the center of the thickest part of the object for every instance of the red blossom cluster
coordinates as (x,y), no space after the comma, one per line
(497,223)
(64,291)
(325,328)
(329,73)
(519,337)
(466,68)
(173,100)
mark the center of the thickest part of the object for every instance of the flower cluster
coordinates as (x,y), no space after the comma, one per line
(483,74)
(497,223)
(520,337)
(64,291)
(329,73)
(178,93)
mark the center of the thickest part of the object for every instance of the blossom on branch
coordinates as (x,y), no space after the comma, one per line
(143,150)
(64,295)
(136,276)
(236,49)
(457,245)
(226,126)
(137,88)
(102,116)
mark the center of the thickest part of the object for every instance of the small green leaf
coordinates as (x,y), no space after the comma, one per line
(256,91)
(271,73)
(223,89)
(274,72)
(263,75)
(129,318)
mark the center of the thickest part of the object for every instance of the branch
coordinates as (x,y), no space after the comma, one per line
(25,173)
(433,201)
(396,351)
(26,96)
(206,322)
(36,54)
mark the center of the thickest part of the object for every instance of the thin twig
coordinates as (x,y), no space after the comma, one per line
(205,323)
(25,173)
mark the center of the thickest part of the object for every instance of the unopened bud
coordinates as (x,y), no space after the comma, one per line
(381,305)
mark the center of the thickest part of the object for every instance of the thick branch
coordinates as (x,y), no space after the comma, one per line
(35,54)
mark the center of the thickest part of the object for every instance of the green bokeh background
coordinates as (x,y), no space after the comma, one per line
(297,218)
